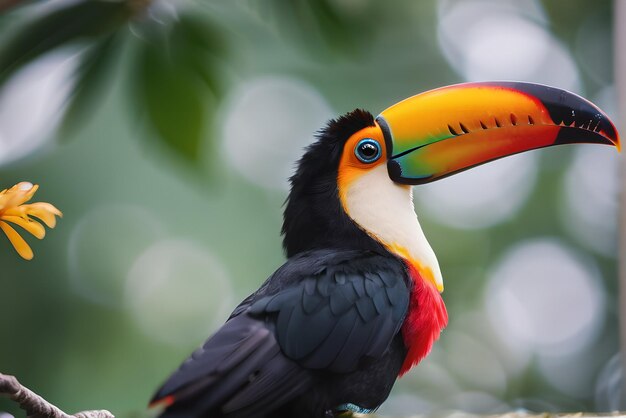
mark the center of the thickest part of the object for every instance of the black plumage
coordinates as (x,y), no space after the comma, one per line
(322,322)
(322,318)
(313,216)
(323,331)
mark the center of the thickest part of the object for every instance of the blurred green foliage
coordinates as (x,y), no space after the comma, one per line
(173,66)
(177,57)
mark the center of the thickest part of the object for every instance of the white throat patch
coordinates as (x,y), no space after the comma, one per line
(385,211)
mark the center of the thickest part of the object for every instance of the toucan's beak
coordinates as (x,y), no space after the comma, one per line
(444,131)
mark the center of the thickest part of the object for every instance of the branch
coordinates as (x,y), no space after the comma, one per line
(36,406)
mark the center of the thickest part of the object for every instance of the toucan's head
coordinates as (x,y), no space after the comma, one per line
(352,187)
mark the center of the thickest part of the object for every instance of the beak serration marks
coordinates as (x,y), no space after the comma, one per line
(592,125)
(452,131)
(597,127)
(463,129)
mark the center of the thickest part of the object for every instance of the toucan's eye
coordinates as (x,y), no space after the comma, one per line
(367,150)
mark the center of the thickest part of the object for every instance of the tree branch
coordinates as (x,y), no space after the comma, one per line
(36,406)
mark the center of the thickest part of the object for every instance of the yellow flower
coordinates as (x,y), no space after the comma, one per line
(13,209)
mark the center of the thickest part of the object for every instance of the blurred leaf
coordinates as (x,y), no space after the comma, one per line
(178,84)
(95,64)
(87,19)
(334,26)
(201,47)
(173,102)
(566,17)
(323,21)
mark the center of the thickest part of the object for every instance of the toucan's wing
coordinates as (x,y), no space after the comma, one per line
(339,311)
(240,368)
(321,310)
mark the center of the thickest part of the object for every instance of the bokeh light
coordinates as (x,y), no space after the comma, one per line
(546,298)
(556,368)
(593,48)
(505,40)
(177,291)
(481,197)
(474,362)
(511,359)
(268,123)
(117,234)
(591,193)
(31,104)
(610,386)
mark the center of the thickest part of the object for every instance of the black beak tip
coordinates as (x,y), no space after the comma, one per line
(581,120)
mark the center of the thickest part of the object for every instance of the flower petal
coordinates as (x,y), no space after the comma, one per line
(20,193)
(4,198)
(29,225)
(45,216)
(26,191)
(15,211)
(45,206)
(42,210)
(22,248)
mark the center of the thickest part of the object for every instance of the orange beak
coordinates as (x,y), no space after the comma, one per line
(445,131)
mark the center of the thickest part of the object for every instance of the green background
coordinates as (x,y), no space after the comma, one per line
(161,237)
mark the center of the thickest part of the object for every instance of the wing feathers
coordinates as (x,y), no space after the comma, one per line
(333,319)
(324,310)
(366,309)
(238,365)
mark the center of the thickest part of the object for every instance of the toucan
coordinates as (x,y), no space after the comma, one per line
(358,301)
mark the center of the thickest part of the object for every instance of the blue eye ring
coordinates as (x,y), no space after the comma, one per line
(368,150)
